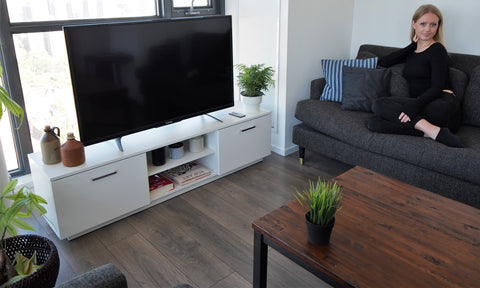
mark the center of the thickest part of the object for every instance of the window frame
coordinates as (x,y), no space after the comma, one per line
(215,7)
(11,75)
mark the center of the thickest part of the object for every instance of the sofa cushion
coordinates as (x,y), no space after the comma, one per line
(361,86)
(332,70)
(398,84)
(328,117)
(471,103)
(458,83)
(350,127)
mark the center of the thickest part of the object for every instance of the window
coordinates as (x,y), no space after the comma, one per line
(181,8)
(45,77)
(189,3)
(36,64)
(52,10)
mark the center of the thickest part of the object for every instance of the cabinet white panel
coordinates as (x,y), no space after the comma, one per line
(93,197)
(112,184)
(243,143)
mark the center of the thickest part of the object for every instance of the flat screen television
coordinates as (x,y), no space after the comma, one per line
(133,76)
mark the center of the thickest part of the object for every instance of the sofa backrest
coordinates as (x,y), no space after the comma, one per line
(463,62)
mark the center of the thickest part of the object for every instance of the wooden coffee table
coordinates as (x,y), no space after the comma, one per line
(388,234)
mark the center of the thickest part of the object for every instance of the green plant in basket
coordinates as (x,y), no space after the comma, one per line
(14,206)
(255,79)
(321,201)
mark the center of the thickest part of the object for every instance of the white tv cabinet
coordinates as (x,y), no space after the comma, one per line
(112,184)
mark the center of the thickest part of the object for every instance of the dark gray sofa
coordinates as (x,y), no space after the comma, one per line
(343,135)
(106,276)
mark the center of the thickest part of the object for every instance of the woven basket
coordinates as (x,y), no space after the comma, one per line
(47,255)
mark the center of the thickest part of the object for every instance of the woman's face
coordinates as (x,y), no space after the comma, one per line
(426,26)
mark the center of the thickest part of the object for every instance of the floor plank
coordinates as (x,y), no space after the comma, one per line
(203,237)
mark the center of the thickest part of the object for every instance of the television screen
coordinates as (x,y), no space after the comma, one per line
(133,76)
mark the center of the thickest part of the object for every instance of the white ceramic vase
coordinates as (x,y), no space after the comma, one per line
(251,105)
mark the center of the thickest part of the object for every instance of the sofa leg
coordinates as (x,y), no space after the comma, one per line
(301,154)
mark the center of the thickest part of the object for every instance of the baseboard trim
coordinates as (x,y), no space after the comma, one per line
(284,152)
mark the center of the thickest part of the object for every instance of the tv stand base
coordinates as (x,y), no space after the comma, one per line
(214,118)
(118,141)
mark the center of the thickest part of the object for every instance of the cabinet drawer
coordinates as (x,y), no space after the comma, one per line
(244,143)
(93,197)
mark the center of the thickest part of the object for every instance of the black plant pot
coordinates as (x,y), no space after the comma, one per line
(317,234)
(47,255)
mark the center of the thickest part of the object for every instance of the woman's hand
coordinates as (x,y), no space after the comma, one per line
(403,118)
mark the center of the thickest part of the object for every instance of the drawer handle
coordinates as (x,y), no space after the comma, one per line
(250,128)
(104,176)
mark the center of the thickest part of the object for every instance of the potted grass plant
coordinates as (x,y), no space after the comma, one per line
(25,260)
(321,202)
(253,82)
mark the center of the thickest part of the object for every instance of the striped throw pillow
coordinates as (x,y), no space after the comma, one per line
(332,70)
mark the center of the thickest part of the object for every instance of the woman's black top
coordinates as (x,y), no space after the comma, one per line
(426,73)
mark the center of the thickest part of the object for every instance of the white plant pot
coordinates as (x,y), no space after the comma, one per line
(251,105)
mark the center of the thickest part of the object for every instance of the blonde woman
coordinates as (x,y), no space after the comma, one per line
(432,110)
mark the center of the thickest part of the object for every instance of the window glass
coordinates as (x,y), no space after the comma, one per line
(8,145)
(50,10)
(47,89)
(188,3)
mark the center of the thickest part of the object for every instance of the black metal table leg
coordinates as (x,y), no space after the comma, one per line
(260,261)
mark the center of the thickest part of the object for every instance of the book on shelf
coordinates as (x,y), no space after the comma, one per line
(160,184)
(187,173)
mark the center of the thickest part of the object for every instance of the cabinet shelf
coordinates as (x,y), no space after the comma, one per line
(170,163)
(155,195)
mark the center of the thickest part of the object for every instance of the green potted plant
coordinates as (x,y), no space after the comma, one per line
(253,81)
(321,202)
(38,263)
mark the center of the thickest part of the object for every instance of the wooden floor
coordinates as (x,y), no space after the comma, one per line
(203,237)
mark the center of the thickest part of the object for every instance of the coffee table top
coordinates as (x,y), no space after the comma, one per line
(388,234)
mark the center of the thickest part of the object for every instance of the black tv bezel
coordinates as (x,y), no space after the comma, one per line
(159,123)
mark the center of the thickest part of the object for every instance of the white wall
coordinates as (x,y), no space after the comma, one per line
(291,36)
(316,30)
(255,29)
(388,23)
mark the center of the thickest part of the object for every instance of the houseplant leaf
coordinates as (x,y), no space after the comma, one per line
(11,214)
(255,79)
(22,224)
(10,105)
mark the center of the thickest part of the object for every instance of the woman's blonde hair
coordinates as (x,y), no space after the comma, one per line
(428,8)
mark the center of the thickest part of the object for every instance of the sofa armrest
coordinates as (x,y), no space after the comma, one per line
(106,276)
(316,88)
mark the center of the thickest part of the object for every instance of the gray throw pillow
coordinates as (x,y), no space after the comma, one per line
(471,103)
(398,84)
(361,86)
(458,83)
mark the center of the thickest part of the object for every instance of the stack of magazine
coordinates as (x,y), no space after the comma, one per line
(159,185)
(187,173)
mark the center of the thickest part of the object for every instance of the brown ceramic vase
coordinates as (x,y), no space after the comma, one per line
(73,152)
